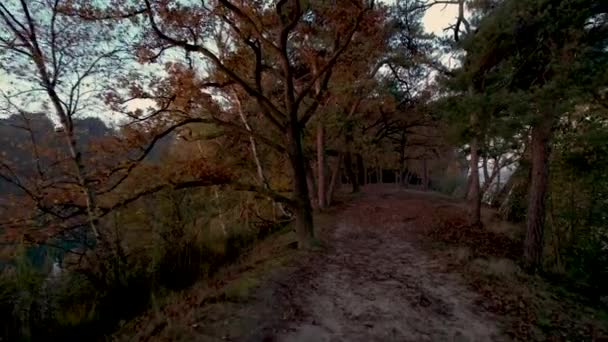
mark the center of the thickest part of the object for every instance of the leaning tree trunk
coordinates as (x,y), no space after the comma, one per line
(254,150)
(303,209)
(502,191)
(513,198)
(65,119)
(541,149)
(489,178)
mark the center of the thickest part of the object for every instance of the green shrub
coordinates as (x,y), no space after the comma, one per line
(577,223)
(155,252)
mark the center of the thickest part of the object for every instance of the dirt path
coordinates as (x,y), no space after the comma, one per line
(376,284)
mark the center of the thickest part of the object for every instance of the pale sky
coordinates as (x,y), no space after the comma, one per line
(439,17)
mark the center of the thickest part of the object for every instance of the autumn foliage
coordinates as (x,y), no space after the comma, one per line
(144,136)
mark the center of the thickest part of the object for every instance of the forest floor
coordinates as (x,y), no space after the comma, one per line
(393,265)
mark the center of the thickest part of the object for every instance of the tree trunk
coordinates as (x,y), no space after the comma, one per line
(487,182)
(408,179)
(402,158)
(254,152)
(513,193)
(467,191)
(503,192)
(425,171)
(513,204)
(484,167)
(348,161)
(303,209)
(310,183)
(474,191)
(252,143)
(541,149)
(498,177)
(334,179)
(90,199)
(65,118)
(360,169)
(258,163)
(219,211)
(321,166)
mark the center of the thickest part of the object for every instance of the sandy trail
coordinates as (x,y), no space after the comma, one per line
(376,284)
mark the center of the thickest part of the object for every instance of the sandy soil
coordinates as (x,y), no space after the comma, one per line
(376,284)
